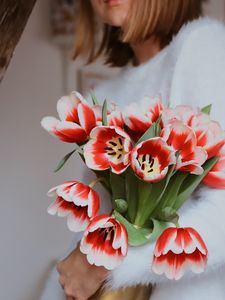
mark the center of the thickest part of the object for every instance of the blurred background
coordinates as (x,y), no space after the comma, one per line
(40,72)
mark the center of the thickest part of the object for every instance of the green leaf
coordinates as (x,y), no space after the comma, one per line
(153,131)
(154,198)
(121,206)
(207,109)
(139,236)
(170,195)
(192,182)
(168,214)
(94,99)
(150,133)
(64,160)
(104,114)
(131,185)
(158,228)
(136,236)
(144,201)
(157,126)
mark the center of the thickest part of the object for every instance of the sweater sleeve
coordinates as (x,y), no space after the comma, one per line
(198,79)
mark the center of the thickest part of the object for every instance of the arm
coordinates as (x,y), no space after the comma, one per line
(78,278)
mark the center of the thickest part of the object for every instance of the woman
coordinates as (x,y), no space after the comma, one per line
(164,48)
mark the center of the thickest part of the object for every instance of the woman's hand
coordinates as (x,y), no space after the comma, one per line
(78,278)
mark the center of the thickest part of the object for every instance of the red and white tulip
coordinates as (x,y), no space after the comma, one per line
(139,117)
(150,159)
(183,140)
(77,119)
(178,250)
(77,201)
(109,146)
(216,177)
(105,242)
(114,115)
(210,135)
(183,113)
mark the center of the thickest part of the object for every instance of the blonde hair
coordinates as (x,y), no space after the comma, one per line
(146,18)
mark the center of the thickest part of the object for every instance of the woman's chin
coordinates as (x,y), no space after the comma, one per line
(114,19)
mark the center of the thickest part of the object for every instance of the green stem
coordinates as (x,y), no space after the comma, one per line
(95,181)
(144,193)
(131,190)
(170,195)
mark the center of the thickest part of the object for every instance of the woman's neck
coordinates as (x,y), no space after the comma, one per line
(145,50)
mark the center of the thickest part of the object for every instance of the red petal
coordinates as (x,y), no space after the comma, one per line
(67,108)
(70,132)
(118,168)
(215,180)
(197,239)
(136,124)
(86,117)
(94,203)
(164,241)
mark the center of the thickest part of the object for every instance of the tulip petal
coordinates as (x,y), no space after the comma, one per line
(215,180)
(53,207)
(98,222)
(200,245)
(95,156)
(70,132)
(86,117)
(63,190)
(79,194)
(67,108)
(197,262)
(93,203)
(100,252)
(50,124)
(78,220)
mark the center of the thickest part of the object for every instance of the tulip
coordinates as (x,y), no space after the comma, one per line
(109,146)
(177,250)
(183,140)
(216,177)
(77,119)
(75,200)
(114,116)
(105,242)
(183,113)
(210,135)
(150,159)
(139,117)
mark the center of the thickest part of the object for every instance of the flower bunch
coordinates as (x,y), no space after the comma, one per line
(150,158)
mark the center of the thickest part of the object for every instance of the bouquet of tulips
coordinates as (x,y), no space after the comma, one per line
(150,158)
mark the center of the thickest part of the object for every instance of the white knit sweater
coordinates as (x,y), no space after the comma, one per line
(190,70)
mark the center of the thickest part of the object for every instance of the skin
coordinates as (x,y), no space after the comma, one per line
(78,278)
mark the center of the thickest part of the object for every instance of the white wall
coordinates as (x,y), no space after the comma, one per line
(30,238)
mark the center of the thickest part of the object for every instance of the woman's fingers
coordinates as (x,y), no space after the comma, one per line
(70,298)
(61,282)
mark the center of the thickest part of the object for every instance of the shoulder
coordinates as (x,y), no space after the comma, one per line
(202,36)
(199,67)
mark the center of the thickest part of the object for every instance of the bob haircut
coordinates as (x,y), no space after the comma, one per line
(147,18)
